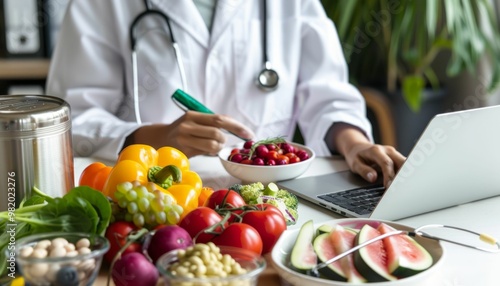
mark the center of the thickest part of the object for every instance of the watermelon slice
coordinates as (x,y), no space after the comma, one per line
(324,248)
(303,258)
(371,260)
(343,240)
(405,256)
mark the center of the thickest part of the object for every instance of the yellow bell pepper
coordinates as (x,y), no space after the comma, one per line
(167,167)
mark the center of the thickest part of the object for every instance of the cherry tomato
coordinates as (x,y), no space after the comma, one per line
(246,161)
(117,233)
(272,155)
(269,223)
(284,158)
(197,220)
(240,235)
(224,198)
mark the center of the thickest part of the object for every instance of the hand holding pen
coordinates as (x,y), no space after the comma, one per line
(186,103)
(199,132)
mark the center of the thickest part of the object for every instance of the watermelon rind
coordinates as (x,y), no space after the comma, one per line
(325,250)
(303,256)
(405,256)
(364,257)
(324,228)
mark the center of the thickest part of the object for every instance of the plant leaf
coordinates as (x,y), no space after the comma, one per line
(412,91)
(98,201)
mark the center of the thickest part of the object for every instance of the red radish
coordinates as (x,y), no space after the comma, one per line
(168,238)
(134,269)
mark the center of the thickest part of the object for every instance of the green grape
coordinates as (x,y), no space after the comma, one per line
(173,217)
(178,209)
(151,196)
(132,207)
(150,217)
(161,217)
(167,208)
(143,204)
(151,187)
(131,195)
(124,187)
(138,220)
(168,200)
(123,202)
(142,192)
(157,205)
(119,195)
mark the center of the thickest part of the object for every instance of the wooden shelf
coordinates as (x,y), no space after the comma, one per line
(24,68)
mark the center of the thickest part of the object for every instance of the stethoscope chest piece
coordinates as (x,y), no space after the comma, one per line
(268,78)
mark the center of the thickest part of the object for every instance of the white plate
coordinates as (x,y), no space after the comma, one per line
(282,249)
(265,174)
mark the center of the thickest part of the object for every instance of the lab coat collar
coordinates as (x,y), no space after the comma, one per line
(185,15)
(225,11)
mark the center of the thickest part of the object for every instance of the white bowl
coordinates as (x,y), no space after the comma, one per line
(265,174)
(282,249)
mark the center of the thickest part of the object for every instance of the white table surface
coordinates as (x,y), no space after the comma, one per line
(461,266)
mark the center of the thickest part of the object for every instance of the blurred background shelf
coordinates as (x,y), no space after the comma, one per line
(25,69)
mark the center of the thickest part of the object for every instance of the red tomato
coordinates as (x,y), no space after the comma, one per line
(197,220)
(117,233)
(240,235)
(269,223)
(246,162)
(224,198)
(285,158)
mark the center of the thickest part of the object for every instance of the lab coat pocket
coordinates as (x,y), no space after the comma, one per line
(259,106)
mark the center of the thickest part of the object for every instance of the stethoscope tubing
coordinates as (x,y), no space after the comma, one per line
(267,78)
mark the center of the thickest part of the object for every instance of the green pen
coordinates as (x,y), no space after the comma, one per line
(187,102)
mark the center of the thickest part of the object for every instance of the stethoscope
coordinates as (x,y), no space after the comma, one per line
(267,79)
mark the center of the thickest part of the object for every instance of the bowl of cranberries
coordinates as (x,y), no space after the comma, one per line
(268,160)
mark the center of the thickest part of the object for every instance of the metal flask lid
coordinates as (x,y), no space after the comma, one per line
(32,115)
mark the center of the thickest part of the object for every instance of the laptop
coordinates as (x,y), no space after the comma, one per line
(455,161)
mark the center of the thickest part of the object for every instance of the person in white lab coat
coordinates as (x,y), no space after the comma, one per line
(222,52)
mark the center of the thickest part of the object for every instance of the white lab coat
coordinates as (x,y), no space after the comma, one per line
(92,69)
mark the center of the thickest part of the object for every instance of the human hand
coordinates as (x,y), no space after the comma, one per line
(193,133)
(368,160)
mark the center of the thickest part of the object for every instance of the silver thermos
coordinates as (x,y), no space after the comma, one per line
(35,147)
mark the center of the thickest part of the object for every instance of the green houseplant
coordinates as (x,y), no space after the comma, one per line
(394,43)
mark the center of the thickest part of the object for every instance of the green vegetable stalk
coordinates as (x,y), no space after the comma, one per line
(257,193)
(82,209)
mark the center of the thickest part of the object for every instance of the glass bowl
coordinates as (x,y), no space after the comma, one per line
(265,174)
(60,258)
(253,264)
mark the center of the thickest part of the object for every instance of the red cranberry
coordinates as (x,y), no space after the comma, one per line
(287,148)
(248,144)
(258,161)
(236,158)
(262,151)
(303,155)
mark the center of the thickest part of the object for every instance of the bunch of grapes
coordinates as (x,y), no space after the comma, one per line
(145,205)
(268,152)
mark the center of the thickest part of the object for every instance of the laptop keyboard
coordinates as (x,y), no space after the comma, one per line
(361,201)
